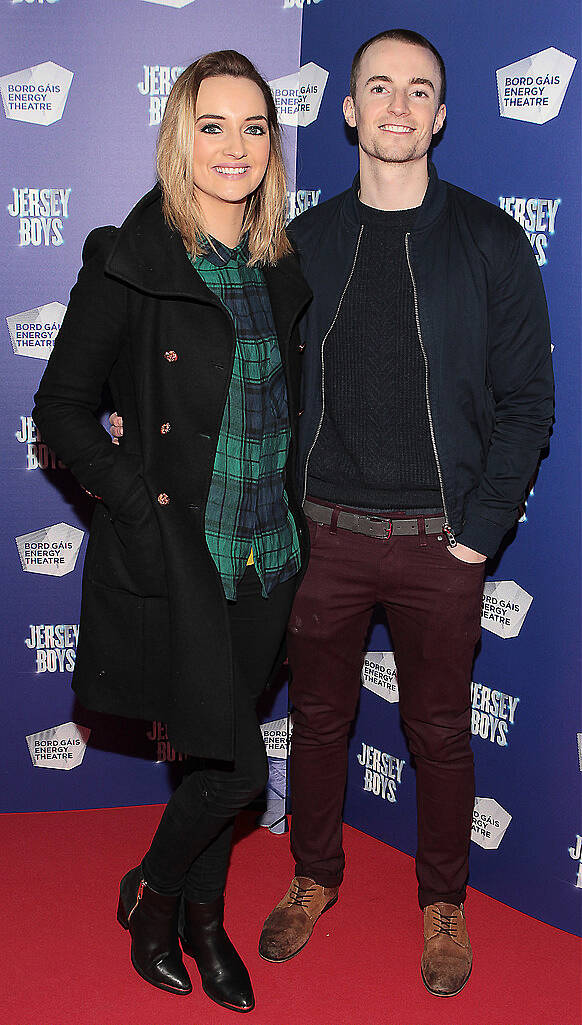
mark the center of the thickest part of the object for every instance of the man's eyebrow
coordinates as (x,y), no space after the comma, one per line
(412,81)
(221,117)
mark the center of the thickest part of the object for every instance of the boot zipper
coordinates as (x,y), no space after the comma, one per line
(140,890)
(325,337)
(447,529)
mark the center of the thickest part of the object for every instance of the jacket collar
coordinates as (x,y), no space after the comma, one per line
(430,210)
(151,257)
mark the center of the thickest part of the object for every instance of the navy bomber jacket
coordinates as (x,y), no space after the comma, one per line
(483,328)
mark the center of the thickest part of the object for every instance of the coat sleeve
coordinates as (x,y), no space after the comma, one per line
(522,385)
(69,396)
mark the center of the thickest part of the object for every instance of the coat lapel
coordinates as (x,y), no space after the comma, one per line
(151,257)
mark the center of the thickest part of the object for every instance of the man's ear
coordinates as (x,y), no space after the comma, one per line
(439,119)
(349,110)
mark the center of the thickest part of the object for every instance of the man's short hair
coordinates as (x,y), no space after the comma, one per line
(401,35)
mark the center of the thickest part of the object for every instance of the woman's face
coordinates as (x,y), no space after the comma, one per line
(231,143)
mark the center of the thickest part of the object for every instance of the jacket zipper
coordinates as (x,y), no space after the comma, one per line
(325,337)
(447,529)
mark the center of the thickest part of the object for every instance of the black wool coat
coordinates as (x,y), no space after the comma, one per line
(154,638)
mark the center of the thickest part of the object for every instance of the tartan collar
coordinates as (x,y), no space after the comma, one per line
(219,254)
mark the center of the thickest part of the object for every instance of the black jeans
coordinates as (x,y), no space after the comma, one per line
(190,850)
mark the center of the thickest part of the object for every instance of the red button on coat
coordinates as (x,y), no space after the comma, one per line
(164,499)
(171,356)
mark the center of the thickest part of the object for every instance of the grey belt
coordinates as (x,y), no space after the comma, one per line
(373,526)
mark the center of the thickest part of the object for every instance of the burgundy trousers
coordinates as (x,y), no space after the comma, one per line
(432,602)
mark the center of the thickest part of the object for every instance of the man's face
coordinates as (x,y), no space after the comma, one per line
(396,110)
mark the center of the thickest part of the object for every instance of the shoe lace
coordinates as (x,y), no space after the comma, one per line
(301,895)
(446,924)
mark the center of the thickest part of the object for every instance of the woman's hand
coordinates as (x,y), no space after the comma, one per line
(116,429)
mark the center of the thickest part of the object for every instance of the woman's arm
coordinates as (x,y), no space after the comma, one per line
(69,395)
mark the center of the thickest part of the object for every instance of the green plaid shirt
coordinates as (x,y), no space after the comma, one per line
(247,506)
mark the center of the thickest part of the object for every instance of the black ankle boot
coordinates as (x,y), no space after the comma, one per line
(152,919)
(224,976)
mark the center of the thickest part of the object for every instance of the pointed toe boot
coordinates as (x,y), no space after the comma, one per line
(224,976)
(152,920)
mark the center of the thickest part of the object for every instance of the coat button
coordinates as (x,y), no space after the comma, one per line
(171,356)
(163,499)
(301,347)
(165,428)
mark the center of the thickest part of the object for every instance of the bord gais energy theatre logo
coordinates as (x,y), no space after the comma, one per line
(170,3)
(490,822)
(51,551)
(298,96)
(379,675)
(33,332)
(533,88)
(38,94)
(60,747)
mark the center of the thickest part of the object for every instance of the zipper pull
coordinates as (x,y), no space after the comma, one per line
(448,532)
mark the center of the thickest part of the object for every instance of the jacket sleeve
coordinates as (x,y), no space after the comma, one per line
(522,386)
(69,395)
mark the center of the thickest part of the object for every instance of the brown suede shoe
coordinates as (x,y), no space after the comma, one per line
(290,924)
(447,957)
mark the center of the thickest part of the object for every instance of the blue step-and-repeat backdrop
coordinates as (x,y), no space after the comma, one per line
(83,89)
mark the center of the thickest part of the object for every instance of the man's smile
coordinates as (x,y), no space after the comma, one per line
(398,129)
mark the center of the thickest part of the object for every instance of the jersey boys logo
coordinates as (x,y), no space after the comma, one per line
(533,89)
(575,853)
(156,83)
(41,214)
(301,200)
(298,97)
(55,646)
(493,713)
(33,332)
(490,822)
(164,752)
(38,455)
(379,675)
(52,550)
(382,772)
(537,217)
(61,747)
(505,606)
(38,94)
(299,3)
(34,2)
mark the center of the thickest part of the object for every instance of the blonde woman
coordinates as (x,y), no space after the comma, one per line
(188,313)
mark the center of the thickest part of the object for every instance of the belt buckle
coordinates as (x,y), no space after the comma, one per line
(386,526)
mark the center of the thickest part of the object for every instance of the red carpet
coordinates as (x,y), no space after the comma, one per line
(66,960)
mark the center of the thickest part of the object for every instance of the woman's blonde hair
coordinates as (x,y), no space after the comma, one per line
(266,208)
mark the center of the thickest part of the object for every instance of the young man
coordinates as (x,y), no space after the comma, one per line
(428,397)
